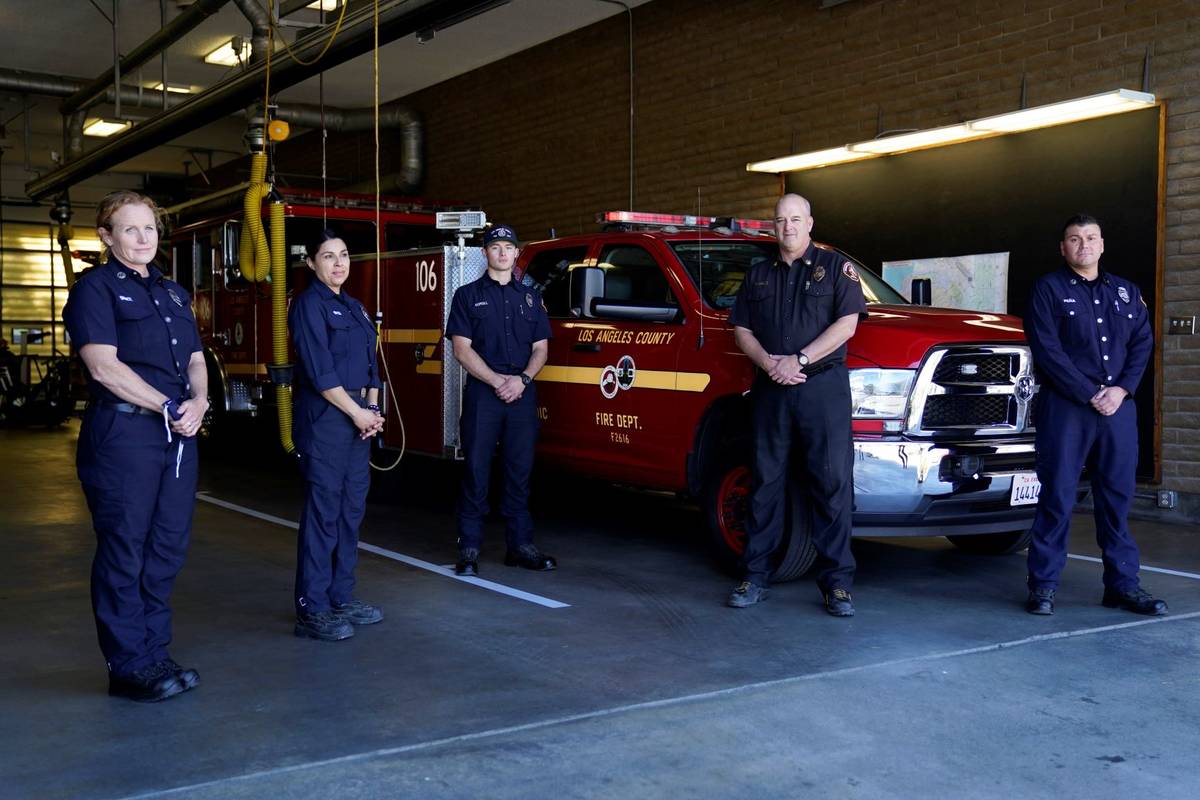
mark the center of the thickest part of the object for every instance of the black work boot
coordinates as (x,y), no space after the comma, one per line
(838,603)
(1040,601)
(356,612)
(148,685)
(190,678)
(468,562)
(529,557)
(324,625)
(747,594)
(1137,600)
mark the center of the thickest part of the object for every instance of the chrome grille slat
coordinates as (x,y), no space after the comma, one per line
(983,389)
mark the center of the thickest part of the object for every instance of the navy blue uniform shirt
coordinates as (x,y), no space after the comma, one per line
(335,341)
(502,322)
(1088,334)
(786,306)
(149,320)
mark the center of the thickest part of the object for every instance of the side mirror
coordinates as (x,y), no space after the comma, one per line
(922,292)
(587,286)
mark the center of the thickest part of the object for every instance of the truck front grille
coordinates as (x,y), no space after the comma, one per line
(981,390)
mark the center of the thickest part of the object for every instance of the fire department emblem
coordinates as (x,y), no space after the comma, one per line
(625,372)
(529,300)
(850,272)
(176,299)
(608,382)
(1123,293)
(818,273)
(617,378)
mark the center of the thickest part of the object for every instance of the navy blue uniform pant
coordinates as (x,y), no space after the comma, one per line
(141,491)
(802,436)
(1069,437)
(337,473)
(487,421)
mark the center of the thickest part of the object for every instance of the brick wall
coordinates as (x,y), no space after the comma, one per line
(541,139)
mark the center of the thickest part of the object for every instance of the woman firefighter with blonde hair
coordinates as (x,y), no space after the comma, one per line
(136,333)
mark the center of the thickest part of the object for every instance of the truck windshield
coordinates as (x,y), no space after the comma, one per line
(725,264)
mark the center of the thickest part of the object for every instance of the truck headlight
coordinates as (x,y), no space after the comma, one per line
(879,393)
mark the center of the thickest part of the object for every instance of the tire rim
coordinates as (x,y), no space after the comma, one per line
(732,497)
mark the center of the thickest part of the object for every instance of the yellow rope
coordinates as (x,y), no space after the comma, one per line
(336,29)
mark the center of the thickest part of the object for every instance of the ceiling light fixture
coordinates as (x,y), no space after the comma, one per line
(324,5)
(227,55)
(104,127)
(1115,102)
(172,87)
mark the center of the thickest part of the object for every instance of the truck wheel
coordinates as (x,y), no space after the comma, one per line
(992,544)
(726,498)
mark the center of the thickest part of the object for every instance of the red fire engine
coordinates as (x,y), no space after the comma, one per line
(644,384)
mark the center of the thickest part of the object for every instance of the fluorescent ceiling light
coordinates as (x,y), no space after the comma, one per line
(172,87)
(1115,102)
(1097,105)
(820,158)
(226,56)
(911,141)
(324,5)
(103,127)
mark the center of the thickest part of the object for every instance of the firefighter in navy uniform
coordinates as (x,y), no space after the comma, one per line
(792,318)
(499,332)
(337,413)
(136,456)
(1090,335)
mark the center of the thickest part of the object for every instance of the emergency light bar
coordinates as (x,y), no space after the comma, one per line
(461,220)
(646,219)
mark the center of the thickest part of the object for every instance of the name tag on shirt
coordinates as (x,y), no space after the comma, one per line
(335,311)
(126,299)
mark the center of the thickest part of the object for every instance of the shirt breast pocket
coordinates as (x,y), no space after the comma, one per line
(818,300)
(1072,324)
(137,325)
(341,333)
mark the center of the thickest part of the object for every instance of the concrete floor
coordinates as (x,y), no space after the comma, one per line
(642,686)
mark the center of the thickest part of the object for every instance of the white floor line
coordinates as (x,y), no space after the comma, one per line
(1142,568)
(446,572)
(664,703)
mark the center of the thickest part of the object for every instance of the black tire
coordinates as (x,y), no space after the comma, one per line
(725,499)
(992,544)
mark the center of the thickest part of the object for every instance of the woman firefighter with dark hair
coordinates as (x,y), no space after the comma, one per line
(136,457)
(337,412)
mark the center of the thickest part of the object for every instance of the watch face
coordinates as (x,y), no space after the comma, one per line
(525,379)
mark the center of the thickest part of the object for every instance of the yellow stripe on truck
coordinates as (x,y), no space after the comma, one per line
(411,335)
(645,378)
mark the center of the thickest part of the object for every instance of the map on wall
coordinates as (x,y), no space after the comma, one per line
(976,282)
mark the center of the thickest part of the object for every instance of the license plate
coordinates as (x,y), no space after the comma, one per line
(1025,489)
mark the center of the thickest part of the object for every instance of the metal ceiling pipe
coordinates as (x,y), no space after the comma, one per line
(60,86)
(260,28)
(94,91)
(391,115)
(397,18)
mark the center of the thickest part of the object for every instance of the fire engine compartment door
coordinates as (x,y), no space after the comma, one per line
(426,380)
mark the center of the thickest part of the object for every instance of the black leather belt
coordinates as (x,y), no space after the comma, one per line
(130,408)
(359,392)
(817,370)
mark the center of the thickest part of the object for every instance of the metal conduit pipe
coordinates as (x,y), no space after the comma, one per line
(260,28)
(59,86)
(397,18)
(93,91)
(391,115)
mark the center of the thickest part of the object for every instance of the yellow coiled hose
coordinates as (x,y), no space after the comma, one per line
(253,252)
(279,339)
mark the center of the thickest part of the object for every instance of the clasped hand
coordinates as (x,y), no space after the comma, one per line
(510,388)
(1108,400)
(192,414)
(785,370)
(368,423)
